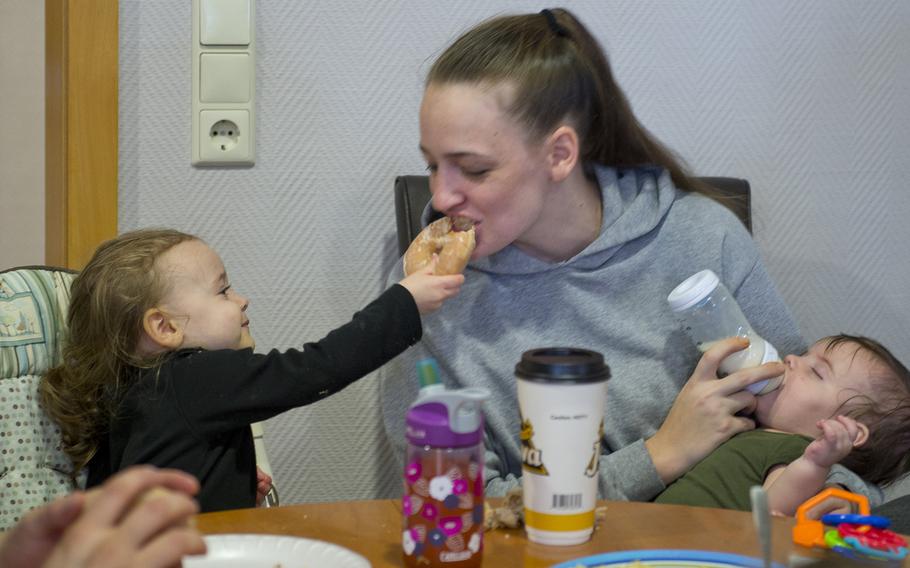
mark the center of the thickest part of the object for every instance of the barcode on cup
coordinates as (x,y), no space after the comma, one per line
(567,501)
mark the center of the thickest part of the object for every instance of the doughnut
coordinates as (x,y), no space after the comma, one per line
(451,239)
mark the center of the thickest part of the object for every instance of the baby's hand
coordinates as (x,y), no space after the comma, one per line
(430,291)
(838,438)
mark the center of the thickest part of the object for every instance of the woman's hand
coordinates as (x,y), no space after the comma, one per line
(139,517)
(430,291)
(704,414)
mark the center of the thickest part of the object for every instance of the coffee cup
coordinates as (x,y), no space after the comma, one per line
(562,398)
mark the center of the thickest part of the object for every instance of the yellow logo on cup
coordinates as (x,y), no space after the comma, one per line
(531,457)
(594,463)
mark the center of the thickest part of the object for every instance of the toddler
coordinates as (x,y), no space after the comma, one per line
(159,365)
(847,401)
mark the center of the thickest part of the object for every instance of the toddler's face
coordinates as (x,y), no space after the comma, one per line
(816,385)
(201,299)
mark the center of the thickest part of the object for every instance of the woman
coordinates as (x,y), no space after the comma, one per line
(584,223)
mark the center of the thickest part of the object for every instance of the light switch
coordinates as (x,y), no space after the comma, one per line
(224,78)
(224,22)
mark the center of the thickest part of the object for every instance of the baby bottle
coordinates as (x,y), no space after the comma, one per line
(709,313)
(442,504)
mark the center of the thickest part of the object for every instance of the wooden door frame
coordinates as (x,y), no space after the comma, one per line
(81,81)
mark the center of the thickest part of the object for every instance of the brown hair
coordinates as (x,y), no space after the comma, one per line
(886,454)
(109,298)
(560,72)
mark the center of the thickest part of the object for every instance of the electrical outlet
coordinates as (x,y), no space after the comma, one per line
(224,137)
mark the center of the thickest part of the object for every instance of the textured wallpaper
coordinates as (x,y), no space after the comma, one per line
(809,100)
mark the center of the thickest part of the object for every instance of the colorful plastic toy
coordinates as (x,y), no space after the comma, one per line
(872,520)
(861,536)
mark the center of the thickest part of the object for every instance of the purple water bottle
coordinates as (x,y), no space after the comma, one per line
(443,475)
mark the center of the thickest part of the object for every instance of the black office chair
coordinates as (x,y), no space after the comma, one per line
(413,192)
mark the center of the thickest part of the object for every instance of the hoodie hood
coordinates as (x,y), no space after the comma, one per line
(634,203)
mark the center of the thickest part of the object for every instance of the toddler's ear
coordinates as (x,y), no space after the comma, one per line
(162,330)
(862,436)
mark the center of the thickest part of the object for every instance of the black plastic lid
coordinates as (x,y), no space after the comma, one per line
(562,364)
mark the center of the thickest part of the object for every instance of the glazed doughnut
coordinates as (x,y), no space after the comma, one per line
(451,239)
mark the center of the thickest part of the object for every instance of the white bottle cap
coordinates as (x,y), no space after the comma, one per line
(770,353)
(692,290)
(767,385)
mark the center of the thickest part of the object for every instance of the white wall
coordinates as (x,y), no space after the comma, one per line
(21,133)
(808,100)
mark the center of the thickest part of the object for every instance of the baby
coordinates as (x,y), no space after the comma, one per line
(846,401)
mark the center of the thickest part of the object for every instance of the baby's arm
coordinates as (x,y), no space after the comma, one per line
(789,486)
(429,290)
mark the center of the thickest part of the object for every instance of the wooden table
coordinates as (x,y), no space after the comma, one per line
(373,529)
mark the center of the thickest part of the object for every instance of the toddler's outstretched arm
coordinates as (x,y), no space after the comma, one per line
(429,290)
(789,486)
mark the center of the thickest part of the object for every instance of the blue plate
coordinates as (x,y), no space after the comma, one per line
(666,559)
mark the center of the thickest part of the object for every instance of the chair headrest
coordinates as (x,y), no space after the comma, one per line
(33,304)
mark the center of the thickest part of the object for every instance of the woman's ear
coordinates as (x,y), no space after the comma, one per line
(161,329)
(562,152)
(862,436)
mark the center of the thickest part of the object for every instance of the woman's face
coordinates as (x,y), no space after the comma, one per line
(481,166)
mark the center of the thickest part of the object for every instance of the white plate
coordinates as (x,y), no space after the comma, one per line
(271,551)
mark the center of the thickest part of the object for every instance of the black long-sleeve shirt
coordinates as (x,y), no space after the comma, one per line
(193,412)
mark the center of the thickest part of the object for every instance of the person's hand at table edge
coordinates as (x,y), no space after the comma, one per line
(139,517)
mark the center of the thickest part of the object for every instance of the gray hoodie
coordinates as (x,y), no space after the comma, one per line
(610,297)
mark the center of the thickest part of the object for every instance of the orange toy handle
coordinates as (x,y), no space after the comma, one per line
(832,492)
(809,532)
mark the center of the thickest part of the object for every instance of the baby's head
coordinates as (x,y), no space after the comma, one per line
(856,377)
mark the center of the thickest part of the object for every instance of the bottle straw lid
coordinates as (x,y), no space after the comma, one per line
(441,417)
(428,372)
(692,290)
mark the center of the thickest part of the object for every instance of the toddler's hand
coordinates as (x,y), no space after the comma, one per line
(430,291)
(839,436)
(263,485)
